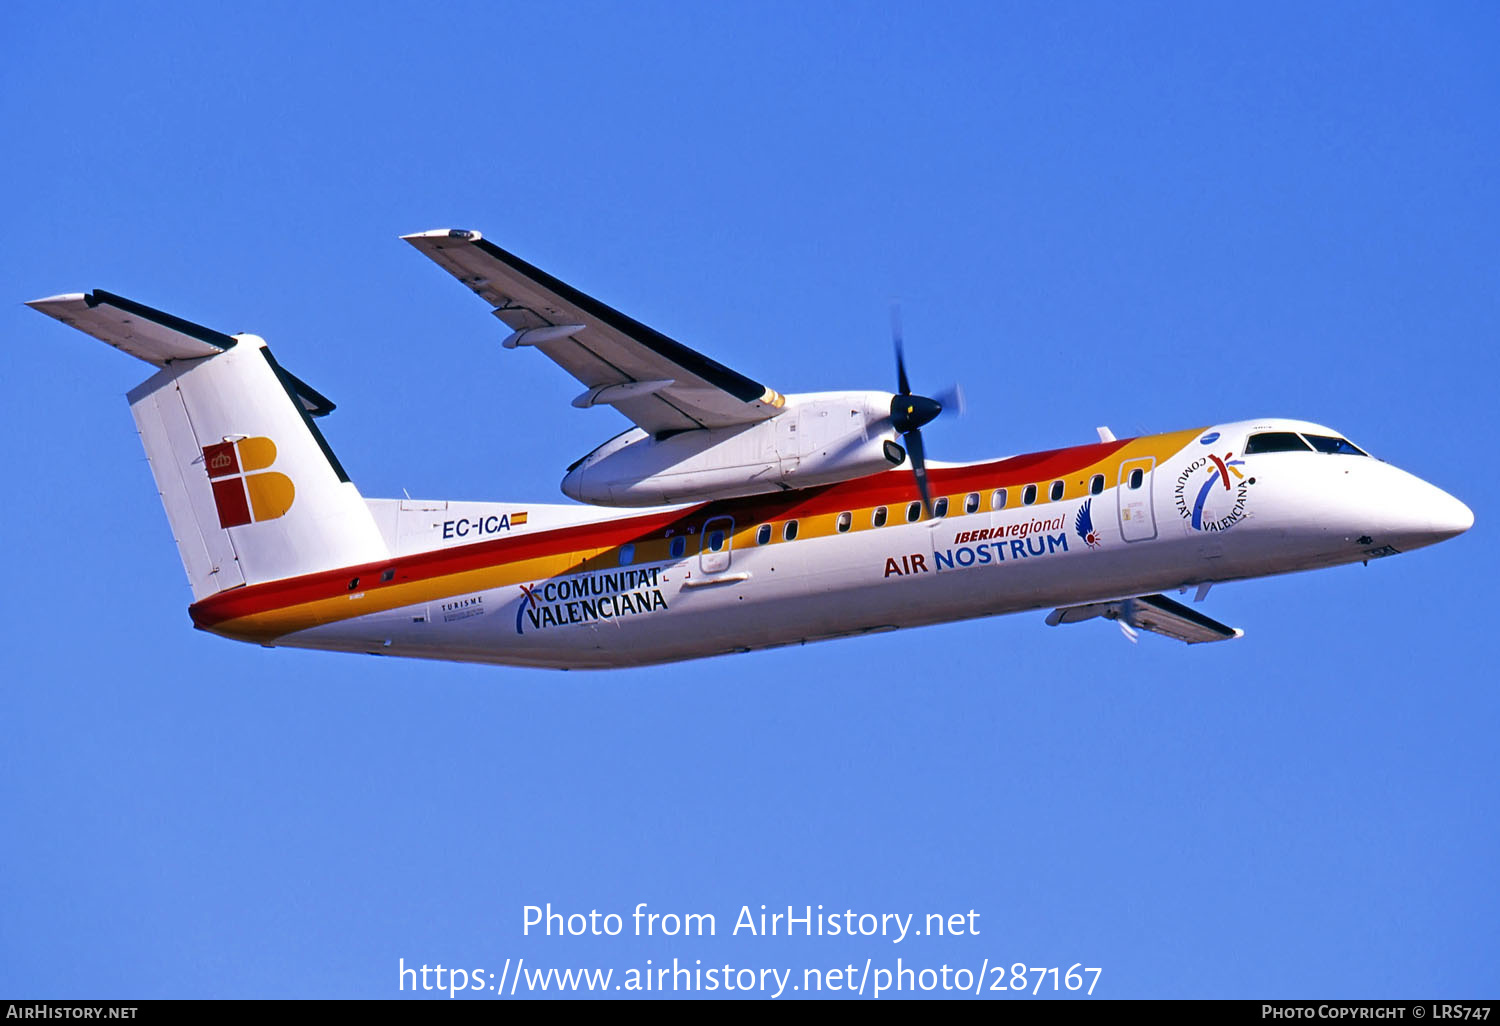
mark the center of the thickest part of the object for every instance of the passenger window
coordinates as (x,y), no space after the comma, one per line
(763,534)
(971,502)
(1334,446)
(845,521)
(913,512)
(716,541)
(627,554)
(1276,441)
(940,508)
(678,547)
(1137,477)
(1096,484)
(997,499)
(790,530)
(1056,491)
(1028,495)
(879,518)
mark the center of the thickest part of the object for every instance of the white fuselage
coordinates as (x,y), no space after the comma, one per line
(1169,527)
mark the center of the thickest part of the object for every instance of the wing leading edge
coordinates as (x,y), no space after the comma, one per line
(657,382)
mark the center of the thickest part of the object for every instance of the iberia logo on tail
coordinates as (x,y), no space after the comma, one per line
(244,492)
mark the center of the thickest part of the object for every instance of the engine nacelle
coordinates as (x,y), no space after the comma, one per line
(816,439)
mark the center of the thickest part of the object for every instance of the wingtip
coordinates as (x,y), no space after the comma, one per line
(63,297)
(464,234)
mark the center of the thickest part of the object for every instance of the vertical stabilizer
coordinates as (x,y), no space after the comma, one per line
(251,489)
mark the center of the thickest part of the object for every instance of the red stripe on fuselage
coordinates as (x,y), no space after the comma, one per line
(897,485)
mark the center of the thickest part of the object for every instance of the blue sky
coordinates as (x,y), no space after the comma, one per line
(1150,218)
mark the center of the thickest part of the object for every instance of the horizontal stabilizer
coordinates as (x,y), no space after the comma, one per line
(146,334)
(157,337)
(1155,613)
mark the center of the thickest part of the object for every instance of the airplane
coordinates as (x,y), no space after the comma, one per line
(729,518)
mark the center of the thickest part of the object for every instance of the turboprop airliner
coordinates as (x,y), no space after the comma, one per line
(730,517)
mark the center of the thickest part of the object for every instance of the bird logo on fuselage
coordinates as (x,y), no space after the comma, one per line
(1083,523)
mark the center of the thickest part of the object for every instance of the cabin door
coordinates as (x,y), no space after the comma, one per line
(715,554)
(1137,515)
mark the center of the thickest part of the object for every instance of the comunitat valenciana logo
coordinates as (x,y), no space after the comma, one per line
(1211,492)
(244,491)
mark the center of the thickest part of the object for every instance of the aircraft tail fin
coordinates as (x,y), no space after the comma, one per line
(251,488)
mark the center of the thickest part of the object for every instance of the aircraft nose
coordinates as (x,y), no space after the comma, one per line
(1418,513)
(1449,516)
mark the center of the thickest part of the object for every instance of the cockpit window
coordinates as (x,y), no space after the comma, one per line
(1276,441)
(1335,446)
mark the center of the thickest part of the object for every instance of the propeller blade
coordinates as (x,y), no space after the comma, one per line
(951,399)
(902,384)
(918,455)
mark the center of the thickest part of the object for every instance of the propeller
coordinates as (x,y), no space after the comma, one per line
(911,412)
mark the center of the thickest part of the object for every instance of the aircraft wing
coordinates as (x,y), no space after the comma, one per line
(1155,613)
(657,382)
